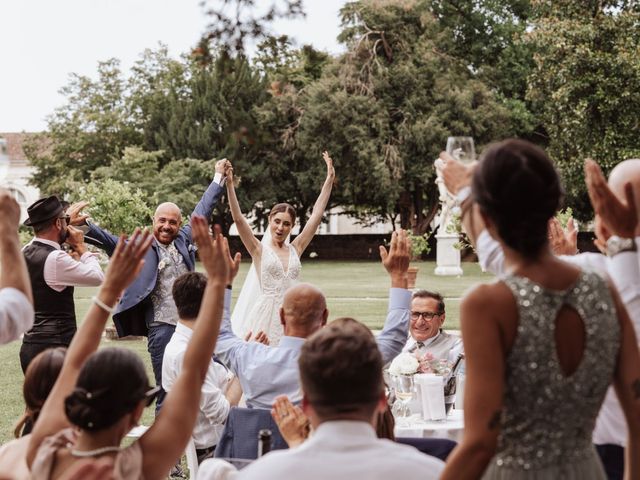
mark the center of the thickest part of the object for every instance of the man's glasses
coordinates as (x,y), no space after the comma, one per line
(425,315)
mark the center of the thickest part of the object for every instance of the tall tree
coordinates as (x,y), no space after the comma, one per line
(586,85)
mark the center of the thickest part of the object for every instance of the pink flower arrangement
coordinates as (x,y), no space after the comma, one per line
(428,364)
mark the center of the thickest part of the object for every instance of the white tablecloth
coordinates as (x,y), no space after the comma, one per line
(414,426)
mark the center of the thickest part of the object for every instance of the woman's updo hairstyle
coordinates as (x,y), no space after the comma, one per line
(283,208)
(111,384)
(39,379)
(517,186)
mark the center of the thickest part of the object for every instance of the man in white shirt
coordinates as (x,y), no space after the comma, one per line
(425,330)
(343,393)
(617,224)
(220,390)
(267,372)
(54,273)
(16,302)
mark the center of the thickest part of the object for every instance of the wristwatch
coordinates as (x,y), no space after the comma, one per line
(616,245)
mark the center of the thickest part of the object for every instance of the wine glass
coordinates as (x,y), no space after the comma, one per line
(461,148)
(404,388)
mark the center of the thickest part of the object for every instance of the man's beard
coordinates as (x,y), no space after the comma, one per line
(63,236)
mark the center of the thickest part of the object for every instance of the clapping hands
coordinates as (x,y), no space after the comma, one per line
(127,260)
(618,217)
(292,422)
(9,213)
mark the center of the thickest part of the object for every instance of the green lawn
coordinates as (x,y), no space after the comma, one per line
(355,289)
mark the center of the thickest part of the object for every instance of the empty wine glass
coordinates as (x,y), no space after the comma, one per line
(404,388)
(461,148)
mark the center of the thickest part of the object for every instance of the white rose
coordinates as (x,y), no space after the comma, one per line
(404,364)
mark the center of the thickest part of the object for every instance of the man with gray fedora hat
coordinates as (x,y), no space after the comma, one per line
(54,273)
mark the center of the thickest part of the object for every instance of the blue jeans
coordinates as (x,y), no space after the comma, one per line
(157,341)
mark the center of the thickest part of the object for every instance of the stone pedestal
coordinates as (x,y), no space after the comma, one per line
(447,256)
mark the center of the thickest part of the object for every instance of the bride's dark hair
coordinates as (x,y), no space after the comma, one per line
(517,186)
(283,208)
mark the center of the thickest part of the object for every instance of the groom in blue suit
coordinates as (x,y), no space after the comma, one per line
(147,307)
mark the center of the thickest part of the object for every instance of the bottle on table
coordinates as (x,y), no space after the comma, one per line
(264,442)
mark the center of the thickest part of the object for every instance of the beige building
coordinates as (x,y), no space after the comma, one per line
(15,170)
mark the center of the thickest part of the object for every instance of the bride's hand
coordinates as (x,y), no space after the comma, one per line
(331,172)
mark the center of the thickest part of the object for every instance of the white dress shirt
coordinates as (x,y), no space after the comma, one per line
(265,372)
(443,345)
(624,271)
(214,406)
(342,450)
(16,314)
(61,270)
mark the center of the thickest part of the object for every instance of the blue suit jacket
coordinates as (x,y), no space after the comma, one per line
(134,311)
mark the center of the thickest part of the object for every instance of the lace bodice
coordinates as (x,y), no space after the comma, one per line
(274,280)
(548,418)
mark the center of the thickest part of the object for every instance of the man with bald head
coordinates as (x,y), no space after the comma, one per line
(147,307)
(617,206)
(266,372)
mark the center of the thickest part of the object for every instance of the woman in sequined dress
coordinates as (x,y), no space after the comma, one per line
(543,342)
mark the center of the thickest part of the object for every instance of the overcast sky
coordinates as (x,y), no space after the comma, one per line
(43,41)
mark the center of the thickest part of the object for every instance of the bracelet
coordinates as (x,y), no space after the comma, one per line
(102,305)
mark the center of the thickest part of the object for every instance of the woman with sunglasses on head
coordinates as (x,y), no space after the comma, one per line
(542,343)
(103,394)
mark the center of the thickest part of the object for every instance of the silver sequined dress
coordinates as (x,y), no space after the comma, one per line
(548,417)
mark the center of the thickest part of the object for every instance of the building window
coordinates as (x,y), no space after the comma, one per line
(19,196)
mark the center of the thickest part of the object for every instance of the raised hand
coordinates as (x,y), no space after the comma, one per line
(455,174)
(233,262)
(127,260)
(211,249)
(75,213)
(261,337)
(220,166)
(396,260)
(563,242)
(619,218)
(9,213)
(75,238)
(291,420)
(331,171)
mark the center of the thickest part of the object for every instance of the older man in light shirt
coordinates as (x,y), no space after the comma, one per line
(266,372)
(54,273)
(618,235)
(425,330)
(16,302)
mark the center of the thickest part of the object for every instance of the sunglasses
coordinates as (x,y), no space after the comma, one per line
(66,218)
(150,395)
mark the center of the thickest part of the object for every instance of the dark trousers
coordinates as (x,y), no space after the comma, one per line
(612,457)
(29,351)
(157,340)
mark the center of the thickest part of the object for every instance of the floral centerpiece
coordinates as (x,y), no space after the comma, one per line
(409,364)
(412,363)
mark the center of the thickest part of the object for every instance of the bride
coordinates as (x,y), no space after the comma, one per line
(277,260)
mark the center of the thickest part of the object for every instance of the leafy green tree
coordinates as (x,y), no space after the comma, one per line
(89,131)
(119,207)
(586,85)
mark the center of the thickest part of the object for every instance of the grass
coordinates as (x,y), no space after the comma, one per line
(355,289)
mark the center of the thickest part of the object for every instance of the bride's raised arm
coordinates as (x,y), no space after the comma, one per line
(302,241)
(250,242)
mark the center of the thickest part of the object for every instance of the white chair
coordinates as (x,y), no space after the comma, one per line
(190,451)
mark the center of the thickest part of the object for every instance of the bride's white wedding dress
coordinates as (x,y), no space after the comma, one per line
(263,312)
